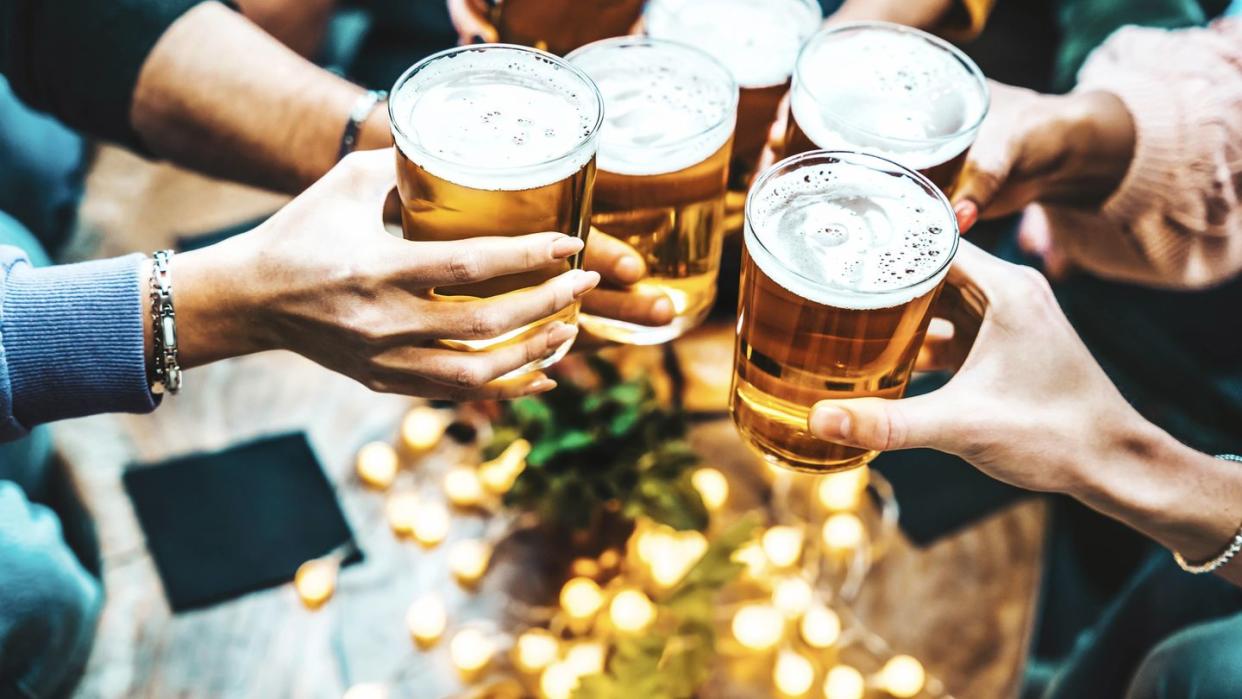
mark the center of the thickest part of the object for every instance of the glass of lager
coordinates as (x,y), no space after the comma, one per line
(758,41)
(890,90)
(663,165)
(496,140)
(844,254)
(560,26)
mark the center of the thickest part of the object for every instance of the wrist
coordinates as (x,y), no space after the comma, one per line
(1097,133)
(375,133)
(216,306)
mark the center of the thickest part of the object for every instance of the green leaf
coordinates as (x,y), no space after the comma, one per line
(680,507)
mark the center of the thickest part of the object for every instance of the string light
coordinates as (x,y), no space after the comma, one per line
(471,651)
(843,491)
(843,532)
(468,560)
(376,464)
(462,487)
(401,510)
(535,649)
(426,620)
(431,524)
(820,627)
(585,568)
(758,626)
(558,681)
(422,429)
(499,474)
(586,658)
(631,611)
(844,682)
(783,545)
(793,596)
(315,581)
(368,690)
(713,487)
(752,556)
(669,556)
(903,676)
(793,674)
(610,559)
(581,598)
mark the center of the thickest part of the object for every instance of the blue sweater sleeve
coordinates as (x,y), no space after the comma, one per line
(71,341)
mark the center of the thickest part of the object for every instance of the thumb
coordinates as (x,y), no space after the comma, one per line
(980,183)
(366,174)
(880,424)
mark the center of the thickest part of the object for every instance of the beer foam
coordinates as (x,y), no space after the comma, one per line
(496,118)
(667,106)
(757,40)
(846,235)
(893,92)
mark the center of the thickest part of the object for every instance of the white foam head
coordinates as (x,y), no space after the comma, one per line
(758,40)
(889,90)
(496,117)
(850,230)
(667,106)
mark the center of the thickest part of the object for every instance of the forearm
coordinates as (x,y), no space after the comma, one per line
(299,24)
(1097,138)
(220,95)
(957,19)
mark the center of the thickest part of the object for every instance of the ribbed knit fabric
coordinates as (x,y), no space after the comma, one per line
(1176,219)
(71,341)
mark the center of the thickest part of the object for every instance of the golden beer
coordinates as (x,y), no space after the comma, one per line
(844,254)
(560,26)
(890,90)
(496,140)
(662,171)
(758,41)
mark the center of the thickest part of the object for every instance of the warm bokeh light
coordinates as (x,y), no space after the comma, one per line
(315,581)
(670,555)
(581,598)
(713,487)
(793,596)
(584,568)
(903,676)
(462,487)
(401,510)
(752,556)
(367,690)
(535,649)
(631,611)
(610,559)
(471,650)
(843,532)
(558,681)
(793,674)
(468,559)
(843,491)
(783,545)
(844,682)
(499,474)
(758,626)
(820,627)
(586,658)
(422,429)
(426,620)
(377,464)
(431,524)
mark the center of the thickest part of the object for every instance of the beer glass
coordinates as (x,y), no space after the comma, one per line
(758,40)
(662,170)
(843,255)
(560,26)
(890,90)
(496,140)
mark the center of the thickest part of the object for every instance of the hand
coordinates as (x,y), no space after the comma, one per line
(471,20)
(621,266)
(324,279)
(1072,149)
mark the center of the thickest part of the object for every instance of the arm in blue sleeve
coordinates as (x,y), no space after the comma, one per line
(71,341)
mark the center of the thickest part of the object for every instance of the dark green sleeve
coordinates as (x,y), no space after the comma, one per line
(79,59)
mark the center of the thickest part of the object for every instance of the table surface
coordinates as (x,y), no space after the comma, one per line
(963,606)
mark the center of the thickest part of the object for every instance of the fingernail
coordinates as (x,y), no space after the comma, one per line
(539,386)
(829,422)
(566,246)
(628,269)
(967,214)
(584,281)
(662,309)
(561,333)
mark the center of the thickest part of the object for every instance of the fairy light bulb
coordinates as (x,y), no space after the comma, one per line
(471,650)
(315,581)
(462,487)
(820,627)
(558,681)
(584,568)
(631,611)
(783,545)
(843,491)
(713,487)
(903,676)
(610,559)
(793,596)
(758,626)
(426,620)
(535,650)
(671,556)
(843,532)
(401,510)
(422,429)
(844,682)
(752,556)
(581,598)
(430,524)
(499,474)
(586,658)
(376,464)
(468,560)
(793,674)
(366,690)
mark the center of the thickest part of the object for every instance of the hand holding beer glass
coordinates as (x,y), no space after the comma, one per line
(556,26)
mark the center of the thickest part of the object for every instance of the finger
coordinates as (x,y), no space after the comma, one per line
(617,262)
(967,213)
(366,174)
(1034,233)
(470,20)
(424,265)
(940,350)
(487,319)
(980,184)
(474,370)
(933,420)
(632,306)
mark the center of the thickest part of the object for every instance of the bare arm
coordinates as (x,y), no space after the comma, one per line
(299,24)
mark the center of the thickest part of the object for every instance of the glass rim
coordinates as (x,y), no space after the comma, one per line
(412,71)
(644,40)
(854,157)
(960,56)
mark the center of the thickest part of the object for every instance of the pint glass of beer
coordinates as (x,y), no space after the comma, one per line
(758,40)
(662,170)
(560,26)
(496,140)
(890,90)
(844,254)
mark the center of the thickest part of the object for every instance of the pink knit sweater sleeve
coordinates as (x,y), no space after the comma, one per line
(1175,221)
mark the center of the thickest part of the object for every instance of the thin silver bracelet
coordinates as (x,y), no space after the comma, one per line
(363,106)
(166,372)
(1225,556)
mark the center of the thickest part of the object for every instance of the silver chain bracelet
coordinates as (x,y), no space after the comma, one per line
(1225,556)
(166,373)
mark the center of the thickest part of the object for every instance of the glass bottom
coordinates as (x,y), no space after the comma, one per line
(782,458)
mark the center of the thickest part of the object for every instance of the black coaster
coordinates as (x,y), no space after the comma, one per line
(223,524)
